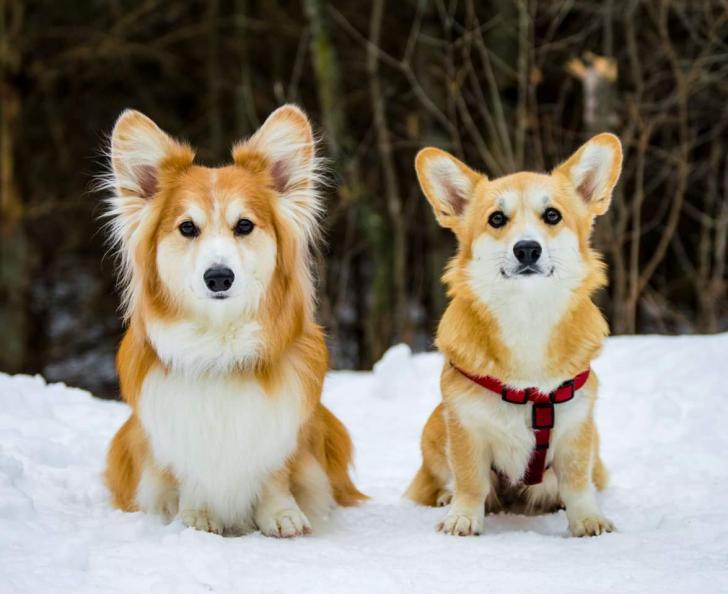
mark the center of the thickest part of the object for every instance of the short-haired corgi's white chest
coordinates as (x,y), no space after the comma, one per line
(219,435)
(507,426)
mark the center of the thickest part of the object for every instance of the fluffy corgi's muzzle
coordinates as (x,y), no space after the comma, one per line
(219,274)
(214,271)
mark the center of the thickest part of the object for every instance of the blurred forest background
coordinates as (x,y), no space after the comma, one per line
(503,84)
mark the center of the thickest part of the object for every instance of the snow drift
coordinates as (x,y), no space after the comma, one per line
(663,415)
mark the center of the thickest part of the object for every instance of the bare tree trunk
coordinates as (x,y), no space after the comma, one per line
(524,25)
(213,78)
(247,118)
(682,92)
(378,327)
(709,278)
(400,324)
(598,75)
(435,257)
(14,260)
(326,68)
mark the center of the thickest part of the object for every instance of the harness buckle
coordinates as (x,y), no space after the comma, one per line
(542,415)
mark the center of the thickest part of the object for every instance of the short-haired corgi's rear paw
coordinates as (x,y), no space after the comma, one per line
(201,519)
(591,526)
(443,498)
(461,524)
(285,523)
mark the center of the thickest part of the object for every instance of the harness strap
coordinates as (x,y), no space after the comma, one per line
(543,414)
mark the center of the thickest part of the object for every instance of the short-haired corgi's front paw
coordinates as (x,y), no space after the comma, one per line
(590,526)
(461,524)
(201,519)
(285,523)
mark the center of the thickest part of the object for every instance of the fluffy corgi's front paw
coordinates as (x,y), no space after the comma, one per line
(461,524)
(285,523)
(590,526)
(168,505)
(201,519)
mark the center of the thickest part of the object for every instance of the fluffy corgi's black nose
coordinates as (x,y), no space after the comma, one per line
(219,279)
(527,252)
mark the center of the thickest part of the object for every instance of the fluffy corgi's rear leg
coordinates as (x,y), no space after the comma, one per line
(135,481)
(123,464)
(429,487)
(335,453)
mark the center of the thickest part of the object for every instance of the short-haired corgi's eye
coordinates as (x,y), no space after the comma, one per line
(244,227)
(551,216)
(497,219)
(189,229)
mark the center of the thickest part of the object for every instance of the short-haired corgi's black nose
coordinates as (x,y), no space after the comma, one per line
(219,279)
(527,252)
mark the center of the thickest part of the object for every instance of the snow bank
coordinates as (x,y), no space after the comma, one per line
(663,414)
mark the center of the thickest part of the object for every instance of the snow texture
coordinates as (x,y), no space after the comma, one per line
(663,414)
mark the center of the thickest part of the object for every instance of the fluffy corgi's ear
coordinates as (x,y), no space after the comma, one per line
(286,142)
(447,183)
(139,149)
(593,171)
(140,154)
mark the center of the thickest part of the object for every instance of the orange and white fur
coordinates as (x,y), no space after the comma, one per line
(222,363)
(526,318)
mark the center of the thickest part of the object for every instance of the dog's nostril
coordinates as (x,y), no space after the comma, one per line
(218,279)
(527,252)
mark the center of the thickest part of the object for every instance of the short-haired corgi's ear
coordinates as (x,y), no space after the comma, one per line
(139,148)
(593,171)
(447,184)
(286,142)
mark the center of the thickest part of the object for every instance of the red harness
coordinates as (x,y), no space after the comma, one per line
(542,416)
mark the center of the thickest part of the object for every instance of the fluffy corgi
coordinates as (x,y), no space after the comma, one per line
(515,429)
(222,362)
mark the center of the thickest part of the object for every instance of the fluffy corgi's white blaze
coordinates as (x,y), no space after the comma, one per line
(182,262)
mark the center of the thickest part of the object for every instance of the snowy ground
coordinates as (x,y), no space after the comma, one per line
(663,414)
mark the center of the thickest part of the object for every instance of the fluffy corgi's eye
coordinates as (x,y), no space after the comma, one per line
(551,216)
(189,229)
(244,227)
(497,219)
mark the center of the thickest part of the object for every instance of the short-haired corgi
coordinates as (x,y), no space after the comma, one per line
(515,429)
(222,362)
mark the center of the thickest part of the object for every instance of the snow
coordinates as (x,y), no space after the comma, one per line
(663,415)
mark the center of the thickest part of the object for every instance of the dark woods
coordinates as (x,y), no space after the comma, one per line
(505,85)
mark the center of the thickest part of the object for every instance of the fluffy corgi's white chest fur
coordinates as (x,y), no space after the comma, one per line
(194,348)
(220,436)
(507,427)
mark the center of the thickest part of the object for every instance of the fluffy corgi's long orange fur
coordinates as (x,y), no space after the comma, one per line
(520,310)
(222,363)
